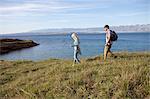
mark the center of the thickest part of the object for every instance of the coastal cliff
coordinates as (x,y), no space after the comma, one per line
(8,45)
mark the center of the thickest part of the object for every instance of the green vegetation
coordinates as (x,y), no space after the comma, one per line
(124,77)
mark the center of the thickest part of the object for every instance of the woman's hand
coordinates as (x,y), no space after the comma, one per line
(107,44)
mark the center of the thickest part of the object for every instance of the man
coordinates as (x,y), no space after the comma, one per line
(108,42)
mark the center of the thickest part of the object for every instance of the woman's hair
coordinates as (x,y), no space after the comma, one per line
(74,36)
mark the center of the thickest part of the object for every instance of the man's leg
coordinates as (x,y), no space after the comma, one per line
(109,51)
(106,51)
(112,54)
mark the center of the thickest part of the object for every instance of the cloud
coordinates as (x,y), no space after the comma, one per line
(39,7)
(34,7)
(30,7)
(132,14)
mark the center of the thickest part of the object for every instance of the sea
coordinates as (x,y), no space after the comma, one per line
(60,46)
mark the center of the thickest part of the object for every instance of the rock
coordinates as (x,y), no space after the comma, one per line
(8,45)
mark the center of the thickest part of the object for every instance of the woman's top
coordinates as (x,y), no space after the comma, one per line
(76,42)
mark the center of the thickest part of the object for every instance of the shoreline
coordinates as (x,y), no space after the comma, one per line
(82,58)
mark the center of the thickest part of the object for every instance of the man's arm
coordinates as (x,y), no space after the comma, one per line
(108,37)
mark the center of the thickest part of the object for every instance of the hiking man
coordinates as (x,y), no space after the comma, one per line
(110,37)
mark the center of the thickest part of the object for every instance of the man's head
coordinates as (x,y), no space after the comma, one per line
(106,27)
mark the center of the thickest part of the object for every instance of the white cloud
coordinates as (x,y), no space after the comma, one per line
(131,14)
(28,7)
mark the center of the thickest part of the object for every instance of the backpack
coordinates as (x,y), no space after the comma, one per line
(113,36)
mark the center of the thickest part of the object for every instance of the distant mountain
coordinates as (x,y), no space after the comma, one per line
(68,30)
(132,28)
(123,28)
(118,29)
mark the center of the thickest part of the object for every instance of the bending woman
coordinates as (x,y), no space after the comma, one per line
(76,47)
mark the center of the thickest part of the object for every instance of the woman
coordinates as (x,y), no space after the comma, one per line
(76,47)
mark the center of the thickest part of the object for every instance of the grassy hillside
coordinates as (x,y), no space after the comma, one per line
(126,76)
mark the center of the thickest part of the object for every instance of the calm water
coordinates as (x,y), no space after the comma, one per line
(59,46)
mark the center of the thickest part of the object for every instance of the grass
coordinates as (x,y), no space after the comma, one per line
(124,77)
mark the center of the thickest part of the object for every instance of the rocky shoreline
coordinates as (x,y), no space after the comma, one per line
(8,45)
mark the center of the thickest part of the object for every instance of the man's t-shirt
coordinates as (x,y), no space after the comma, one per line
(107,36)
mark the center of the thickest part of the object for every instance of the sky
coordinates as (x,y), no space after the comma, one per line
(18,16)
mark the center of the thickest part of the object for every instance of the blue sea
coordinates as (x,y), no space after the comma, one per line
(59,46)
